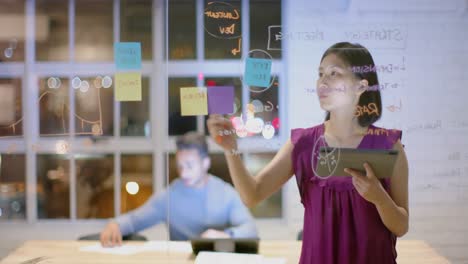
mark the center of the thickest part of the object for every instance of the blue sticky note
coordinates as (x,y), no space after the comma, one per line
(257,72)
(127,55)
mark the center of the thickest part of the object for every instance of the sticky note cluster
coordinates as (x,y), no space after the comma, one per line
(203,100)
(257,72)
(127,59)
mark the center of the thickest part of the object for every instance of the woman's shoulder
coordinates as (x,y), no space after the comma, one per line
(381,131)
(300,133)
(385,135)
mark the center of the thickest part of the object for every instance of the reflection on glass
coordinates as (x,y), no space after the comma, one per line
(178,124)
(54,105)
(271,207)
(53,181)
(222,32)
(262,15)
(266,106)
(182,29)
(95,186)
(12,186)
(52,32)
(13,31)
(94,106)
(93,30)
(137,186)
(228,81)
(11,112)
(136,24)
(134,118)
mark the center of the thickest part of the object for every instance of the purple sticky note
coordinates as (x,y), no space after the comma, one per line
(220,99)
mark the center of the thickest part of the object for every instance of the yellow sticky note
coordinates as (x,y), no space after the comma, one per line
(193,101)
(128,86)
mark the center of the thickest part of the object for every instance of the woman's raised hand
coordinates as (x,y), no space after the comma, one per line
(222,131)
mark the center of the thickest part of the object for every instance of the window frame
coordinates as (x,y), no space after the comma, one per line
(158,71)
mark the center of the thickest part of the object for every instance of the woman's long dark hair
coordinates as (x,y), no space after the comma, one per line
(360,61)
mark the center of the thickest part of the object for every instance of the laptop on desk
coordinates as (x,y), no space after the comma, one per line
(237,245)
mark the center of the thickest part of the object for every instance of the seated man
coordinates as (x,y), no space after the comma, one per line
(195,205)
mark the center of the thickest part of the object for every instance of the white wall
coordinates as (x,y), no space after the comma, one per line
(433,89)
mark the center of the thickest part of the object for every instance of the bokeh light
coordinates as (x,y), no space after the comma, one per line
(132,187)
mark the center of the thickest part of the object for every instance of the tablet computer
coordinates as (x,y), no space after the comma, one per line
(237,245)
(333,161)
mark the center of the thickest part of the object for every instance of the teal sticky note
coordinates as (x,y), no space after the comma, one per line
(127,55)
(257,72)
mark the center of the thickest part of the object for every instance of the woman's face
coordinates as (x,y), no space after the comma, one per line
(337,87)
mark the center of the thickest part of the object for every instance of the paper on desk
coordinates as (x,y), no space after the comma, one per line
(122,250)
(172,246)
(235,258)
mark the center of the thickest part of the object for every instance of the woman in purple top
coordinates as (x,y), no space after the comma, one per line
(347,219)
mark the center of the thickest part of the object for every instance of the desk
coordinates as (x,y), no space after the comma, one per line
(409,252)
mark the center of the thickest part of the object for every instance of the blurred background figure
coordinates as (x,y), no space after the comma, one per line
(197,204)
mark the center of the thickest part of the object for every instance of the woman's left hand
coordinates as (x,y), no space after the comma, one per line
(368,186)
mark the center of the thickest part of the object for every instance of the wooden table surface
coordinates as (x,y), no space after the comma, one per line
(62,251)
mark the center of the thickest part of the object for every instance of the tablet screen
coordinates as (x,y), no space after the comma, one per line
(333,161)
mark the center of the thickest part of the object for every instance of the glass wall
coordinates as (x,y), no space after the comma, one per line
(81,152)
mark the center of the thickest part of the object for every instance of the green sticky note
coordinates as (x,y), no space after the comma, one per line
(193,101)
(128,86)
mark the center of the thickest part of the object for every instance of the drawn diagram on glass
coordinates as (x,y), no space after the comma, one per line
(328,158)
(53,83)
(275,36)
(234,51)
(222,20)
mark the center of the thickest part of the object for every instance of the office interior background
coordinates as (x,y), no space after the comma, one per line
(72,157)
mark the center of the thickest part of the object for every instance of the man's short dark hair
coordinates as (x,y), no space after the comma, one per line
(193,140)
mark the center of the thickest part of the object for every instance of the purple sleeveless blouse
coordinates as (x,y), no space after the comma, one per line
(339,225)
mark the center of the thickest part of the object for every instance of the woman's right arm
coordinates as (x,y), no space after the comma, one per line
(269,180)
